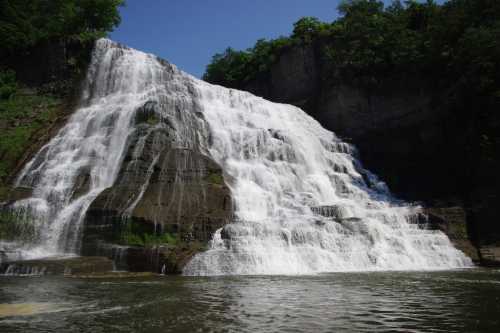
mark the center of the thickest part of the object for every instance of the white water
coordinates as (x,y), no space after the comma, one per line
(282,167)
(283,164)
(90,145)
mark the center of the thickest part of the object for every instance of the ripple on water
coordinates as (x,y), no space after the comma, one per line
(374,302)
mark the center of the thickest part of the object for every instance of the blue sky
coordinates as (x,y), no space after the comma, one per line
(189,32)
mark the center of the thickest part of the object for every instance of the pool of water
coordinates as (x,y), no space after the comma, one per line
(458,301)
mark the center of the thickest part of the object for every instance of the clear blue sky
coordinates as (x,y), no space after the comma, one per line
(189,32)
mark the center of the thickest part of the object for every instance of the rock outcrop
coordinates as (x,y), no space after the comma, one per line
(453,222)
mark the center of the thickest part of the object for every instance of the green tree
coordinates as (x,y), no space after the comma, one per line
(24,23)
(227,68)
(306,29)
(457,41)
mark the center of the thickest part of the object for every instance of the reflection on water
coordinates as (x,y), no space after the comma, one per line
(462,301)
(27,309)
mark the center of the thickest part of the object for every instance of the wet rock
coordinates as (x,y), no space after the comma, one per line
(3,256)
(163,259)
(164,187)
(336,212)
(82,183)
(277,134)
(58,266)
(453,222)
(113,275)
(147,113)
(351,220)
(490,256)
(19,193)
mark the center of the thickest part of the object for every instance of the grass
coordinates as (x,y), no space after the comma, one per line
(22,116)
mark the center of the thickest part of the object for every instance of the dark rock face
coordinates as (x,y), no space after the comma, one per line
(453,222)
(295,78)
(52,65)
(490,255)
(161,188)
(436,146)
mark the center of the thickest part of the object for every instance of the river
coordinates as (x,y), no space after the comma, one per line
(446,301)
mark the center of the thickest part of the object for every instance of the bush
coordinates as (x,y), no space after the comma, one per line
(8,84)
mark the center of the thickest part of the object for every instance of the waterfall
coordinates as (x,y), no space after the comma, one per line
(85,156)
(303,203)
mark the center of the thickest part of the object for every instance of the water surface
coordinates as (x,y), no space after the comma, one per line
(459,301)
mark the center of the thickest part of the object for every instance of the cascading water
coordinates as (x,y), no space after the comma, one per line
(303,203)
(89,147)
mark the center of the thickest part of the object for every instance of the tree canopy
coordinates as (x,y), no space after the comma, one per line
(459,39)
(24,23)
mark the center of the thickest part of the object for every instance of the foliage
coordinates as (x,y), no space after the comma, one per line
(148,239)
(137,234)
(227,68)
(235,68)
(306,29)
(458,41)
(23,23)
(22,116)
(8,84)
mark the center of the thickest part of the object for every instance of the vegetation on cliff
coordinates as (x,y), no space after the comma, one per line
(22,116)
(458,41)
(45,48)
(25,23)
(135,233)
